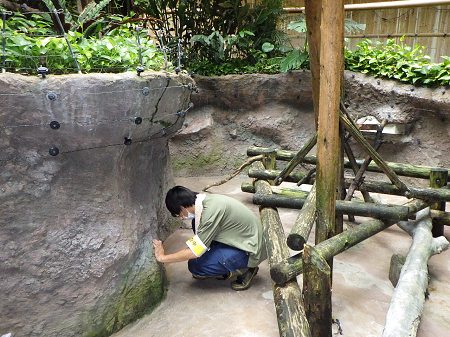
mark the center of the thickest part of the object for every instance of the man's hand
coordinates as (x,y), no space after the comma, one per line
(159,250)
(180,256)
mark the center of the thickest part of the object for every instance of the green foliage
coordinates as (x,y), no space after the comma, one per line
(208,28)
(115,52)
(398,62)
(88,21)
(300,58)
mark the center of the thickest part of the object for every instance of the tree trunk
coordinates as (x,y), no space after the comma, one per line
(405,310)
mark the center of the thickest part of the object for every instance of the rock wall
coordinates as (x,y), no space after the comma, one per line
(234,112)
(83,197)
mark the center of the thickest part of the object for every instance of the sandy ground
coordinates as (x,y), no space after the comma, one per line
(361,288)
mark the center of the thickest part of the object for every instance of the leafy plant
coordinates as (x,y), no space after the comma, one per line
(399,62)
(115,52)
(178,21)
(300,58)
(88,21)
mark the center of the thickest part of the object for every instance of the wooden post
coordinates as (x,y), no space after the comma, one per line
(313,15)
(438,178)
(291,317)
(269,159)
(331,57)
(316,279)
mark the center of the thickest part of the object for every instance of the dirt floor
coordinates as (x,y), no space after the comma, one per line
(361,288)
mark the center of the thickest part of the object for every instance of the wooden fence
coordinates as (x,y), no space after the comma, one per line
(427,26)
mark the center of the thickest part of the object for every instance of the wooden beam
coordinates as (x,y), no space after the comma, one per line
(292,267)
(406,170)
(296,160)
(305,220)
(366,209)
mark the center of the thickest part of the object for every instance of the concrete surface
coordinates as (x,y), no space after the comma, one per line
(361,288)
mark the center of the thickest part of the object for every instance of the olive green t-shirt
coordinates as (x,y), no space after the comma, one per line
(228,221)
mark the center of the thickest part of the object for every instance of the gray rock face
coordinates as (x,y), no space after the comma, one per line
(234,112)
(76,257)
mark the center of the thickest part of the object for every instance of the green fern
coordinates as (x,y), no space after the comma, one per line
(92,10)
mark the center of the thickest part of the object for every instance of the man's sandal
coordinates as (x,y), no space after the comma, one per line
(243,281)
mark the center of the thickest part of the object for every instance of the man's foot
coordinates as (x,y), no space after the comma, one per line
(243,281)
(203,277)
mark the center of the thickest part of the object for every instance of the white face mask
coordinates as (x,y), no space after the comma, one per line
(190,216)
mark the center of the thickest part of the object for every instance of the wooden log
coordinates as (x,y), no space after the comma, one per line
(305,220)
(405,310)
(291,316)
(441,216)
(358,185)
(358,136)
(372,210)
(296,160)
(359,174)
(407,170)
(438,178)
(317,292)
(437,194)
(273,174)
(291,267)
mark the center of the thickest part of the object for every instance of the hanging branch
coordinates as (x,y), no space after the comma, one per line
(247,163)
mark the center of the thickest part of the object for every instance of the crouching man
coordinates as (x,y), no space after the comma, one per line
(227,239)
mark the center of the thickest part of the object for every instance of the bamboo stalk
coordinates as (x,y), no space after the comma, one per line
(371,36)
(381,5)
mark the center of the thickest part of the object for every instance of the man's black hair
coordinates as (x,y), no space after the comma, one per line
(177,197)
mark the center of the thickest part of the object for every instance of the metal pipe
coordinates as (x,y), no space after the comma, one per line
(67,41)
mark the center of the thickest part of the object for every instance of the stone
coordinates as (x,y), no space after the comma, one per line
(76,228)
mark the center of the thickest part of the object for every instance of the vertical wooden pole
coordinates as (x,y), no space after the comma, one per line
(313,12)
(329,153)
(317,292)
(328,142)
(438,178)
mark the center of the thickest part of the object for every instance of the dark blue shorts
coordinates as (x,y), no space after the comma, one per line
(218,260)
